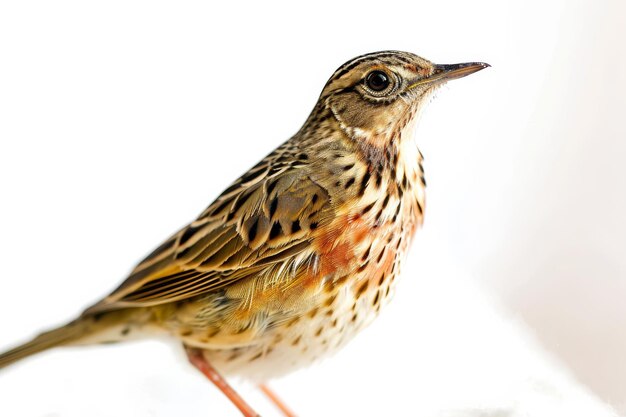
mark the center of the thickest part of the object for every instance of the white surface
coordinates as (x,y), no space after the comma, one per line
(120,121)
(442,349)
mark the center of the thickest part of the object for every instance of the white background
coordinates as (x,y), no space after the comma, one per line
(121,120)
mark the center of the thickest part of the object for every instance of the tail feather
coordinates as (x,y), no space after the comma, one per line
(88,329)
(57,337)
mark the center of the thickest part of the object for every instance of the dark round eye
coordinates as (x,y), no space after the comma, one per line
(377,81)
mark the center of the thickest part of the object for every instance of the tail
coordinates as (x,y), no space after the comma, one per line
(88,329)
(57,337)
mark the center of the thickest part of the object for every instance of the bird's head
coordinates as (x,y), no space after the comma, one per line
(377,97)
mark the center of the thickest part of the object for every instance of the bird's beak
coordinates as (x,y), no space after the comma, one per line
(444,73)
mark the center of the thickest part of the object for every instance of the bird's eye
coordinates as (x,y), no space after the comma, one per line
(377,81)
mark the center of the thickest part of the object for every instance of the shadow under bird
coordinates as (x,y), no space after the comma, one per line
(299,253)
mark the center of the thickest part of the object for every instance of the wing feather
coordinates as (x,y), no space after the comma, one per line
(261,220)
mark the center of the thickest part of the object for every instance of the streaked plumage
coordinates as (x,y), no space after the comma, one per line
(300,252)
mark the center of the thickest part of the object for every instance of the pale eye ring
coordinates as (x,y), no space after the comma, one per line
(377,81)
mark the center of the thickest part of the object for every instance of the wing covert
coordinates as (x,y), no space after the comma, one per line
(264,218)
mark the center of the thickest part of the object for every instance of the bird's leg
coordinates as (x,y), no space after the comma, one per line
(197,359)
(276,400)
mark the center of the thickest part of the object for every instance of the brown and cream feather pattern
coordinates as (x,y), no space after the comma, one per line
(300,252)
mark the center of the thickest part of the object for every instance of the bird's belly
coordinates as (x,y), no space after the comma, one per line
(322,318)
(302,340)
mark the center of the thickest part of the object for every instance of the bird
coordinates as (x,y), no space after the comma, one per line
(298,254)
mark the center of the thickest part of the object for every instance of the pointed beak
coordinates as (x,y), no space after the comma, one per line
(444,73)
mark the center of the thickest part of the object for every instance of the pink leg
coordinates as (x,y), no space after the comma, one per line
(197,359)
(277,401)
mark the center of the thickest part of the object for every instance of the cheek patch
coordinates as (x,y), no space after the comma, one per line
(366,121)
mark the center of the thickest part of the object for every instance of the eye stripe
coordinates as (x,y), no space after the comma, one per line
(358,60)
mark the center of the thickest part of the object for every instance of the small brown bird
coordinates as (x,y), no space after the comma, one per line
(299,253)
